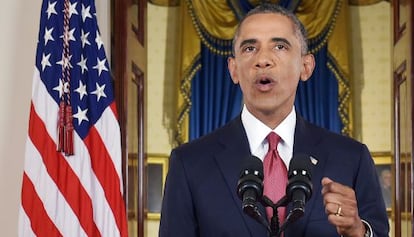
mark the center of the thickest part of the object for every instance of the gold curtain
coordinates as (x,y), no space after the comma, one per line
(255,2)
(165,3)
(325,21)
(364,2)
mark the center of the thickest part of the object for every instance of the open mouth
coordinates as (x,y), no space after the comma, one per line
(265,81)
(265,84)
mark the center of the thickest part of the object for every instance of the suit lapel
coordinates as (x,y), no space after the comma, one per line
(307,140)
(230,160)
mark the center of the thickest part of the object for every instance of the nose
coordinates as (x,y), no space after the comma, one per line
(264,59)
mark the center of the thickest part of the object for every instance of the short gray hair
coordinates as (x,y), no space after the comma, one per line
(276,9)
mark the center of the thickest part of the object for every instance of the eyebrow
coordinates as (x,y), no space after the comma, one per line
(274,39)
(284,40)
(247,41)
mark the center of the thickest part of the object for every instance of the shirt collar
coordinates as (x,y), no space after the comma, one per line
(257,131)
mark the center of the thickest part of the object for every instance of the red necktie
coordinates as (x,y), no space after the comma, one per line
(275,176)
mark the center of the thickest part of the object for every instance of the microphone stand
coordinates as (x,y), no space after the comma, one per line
(274,228)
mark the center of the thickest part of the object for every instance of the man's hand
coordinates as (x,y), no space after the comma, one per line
(341,207)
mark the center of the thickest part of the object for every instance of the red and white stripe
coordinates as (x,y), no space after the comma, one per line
(78,195)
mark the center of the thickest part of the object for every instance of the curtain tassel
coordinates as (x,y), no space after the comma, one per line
(61,126)
(68,131)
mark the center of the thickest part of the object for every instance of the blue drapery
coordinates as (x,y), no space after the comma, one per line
(317,98)
(215,99)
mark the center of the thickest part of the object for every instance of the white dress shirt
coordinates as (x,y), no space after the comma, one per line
(257,132)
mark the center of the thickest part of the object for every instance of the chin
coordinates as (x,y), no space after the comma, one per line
(267,109)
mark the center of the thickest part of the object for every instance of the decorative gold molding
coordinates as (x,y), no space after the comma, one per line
(382,157)
(157,160)
(365,2)
(165,3)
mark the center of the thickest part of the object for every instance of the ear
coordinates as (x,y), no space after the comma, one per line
(231,65)
(308,61)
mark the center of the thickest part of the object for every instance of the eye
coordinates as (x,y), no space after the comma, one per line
(249,48)
(280,47)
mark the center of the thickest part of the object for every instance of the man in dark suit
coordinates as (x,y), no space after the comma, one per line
(200,199)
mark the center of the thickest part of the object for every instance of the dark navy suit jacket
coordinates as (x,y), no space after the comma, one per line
(200,196)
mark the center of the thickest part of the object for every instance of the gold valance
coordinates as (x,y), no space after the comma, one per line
(364,2)
(255,2)
(215,17)
(165,3)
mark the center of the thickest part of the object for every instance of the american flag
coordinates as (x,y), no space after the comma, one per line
(72,180)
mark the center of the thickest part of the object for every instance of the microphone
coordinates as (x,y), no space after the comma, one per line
(250,188)
(299,187)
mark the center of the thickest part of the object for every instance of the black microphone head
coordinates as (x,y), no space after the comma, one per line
(300,162)
(300,175)
(251,177)
(250,188)
(252,164)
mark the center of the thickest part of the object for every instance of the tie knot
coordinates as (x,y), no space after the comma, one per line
(273,139)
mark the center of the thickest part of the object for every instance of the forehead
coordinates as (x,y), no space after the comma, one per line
(266,25)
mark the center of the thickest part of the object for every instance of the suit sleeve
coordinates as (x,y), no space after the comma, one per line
(371,205)
(177,213)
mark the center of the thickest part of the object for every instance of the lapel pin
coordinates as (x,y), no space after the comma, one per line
(313,160)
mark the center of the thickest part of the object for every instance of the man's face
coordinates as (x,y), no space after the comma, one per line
(268,64)
(386,178)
